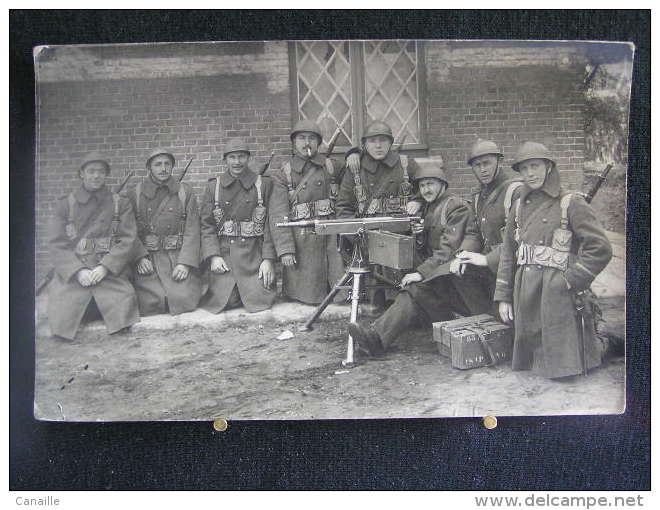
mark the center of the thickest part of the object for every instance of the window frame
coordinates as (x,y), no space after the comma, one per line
(358,92)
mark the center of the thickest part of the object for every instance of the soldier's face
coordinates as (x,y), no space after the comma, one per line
(378,146)
(306,144)
(534,171)
(160,168)
(485,168)
(431,188)
(93,175)
(237,162)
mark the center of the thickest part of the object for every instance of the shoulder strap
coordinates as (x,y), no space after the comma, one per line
(330,167)
(475,197)
(115,216)
(563,204)
(508,196)
(260,198)
(138,192)
(293,196)
(443,211)
(72,208)
(404,164)
(286,168)
(182,197)
(216,196)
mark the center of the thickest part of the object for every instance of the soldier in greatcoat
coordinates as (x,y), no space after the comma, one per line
(238,244)
(91,237)
(166,275)
(312,181)
(499,187)
(554,247)
(448,227)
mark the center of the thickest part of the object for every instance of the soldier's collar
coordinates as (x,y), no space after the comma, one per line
(83,196)
(247,178)
(150,187)
(371,165)
(298,162)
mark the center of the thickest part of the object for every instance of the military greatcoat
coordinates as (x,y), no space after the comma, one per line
(546,325)
(167,237)
(318,262)
(449,227)
(243,254)
(92,244)
(379,180)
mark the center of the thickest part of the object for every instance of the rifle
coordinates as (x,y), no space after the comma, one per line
(333,141)
(51,272)
(186,169)
(267,165)
(600,179)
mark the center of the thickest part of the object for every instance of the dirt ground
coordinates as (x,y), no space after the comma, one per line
(244,372)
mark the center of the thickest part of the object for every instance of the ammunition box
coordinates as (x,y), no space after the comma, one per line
(391,250)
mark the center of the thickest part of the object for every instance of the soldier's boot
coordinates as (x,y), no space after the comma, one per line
(367,341)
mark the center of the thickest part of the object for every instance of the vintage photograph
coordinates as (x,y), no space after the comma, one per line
(330,229)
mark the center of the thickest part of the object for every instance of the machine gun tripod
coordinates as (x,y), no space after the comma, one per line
(371,235)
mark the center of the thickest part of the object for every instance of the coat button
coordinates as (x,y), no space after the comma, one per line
(483,219)
(526,268)
(528,201)
(148,209)
(170,209)
(242,239)
(227,203)
(541,241)
(231,241)
(319,183)
(539,267)
(545,220)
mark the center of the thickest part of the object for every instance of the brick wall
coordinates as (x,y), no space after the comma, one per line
(126,118)
(507,93)
(126,101)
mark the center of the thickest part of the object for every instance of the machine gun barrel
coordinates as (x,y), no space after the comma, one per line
(355,225)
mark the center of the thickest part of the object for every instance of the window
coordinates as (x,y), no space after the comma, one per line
(343,86)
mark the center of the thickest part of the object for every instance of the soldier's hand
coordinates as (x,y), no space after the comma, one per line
(413,208)
(84,277)
(417,227)
(267,273)
(144,266)
(180,272)
(353,162)
(411,278)
(506,311)
(470,257)
(457,267)
(98,273)
(218,265)
(288,259)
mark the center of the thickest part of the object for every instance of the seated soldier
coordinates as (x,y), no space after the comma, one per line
(166,277)
(237,241)
(91,237)
(426,296)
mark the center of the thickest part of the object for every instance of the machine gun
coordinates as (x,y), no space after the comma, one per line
(376,242)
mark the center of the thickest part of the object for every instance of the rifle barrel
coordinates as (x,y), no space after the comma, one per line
(183,174)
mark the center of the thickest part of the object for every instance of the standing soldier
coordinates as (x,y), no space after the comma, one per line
(380,186)
(312,181)
(553,249)
(237,240)
(91,237)
(500,187)
(166,271)
(448,226)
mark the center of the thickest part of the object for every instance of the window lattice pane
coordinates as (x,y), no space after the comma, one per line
(324,87)
(391,86)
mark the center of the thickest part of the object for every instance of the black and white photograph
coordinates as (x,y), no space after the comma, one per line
(330,229)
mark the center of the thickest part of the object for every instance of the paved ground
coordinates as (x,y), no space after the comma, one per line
(203,366)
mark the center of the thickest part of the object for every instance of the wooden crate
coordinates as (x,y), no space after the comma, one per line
(473,342)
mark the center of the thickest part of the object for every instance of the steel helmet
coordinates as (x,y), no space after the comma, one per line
(306,126)
(428,167)
(376,128)
(236,145)
(531,150)
(483,147)
(94,157)
(160,152)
